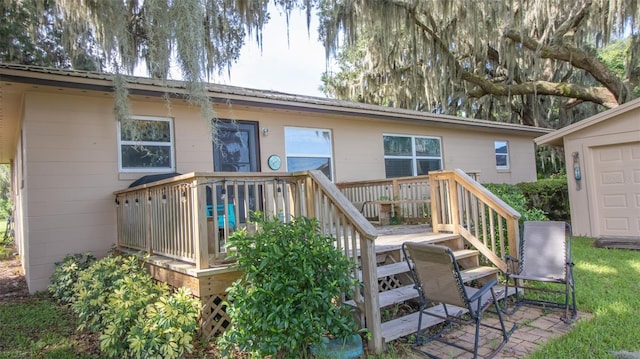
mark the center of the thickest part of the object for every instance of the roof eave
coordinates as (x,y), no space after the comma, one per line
(244,96)
(556,138)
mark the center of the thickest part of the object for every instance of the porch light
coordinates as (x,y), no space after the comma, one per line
(184,196)
(137,202)
(149,199)
(164,198)
(126,202)
(223,193)
(265,131)
(117,203)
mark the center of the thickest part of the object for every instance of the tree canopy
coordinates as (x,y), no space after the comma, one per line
(530,62)
(30,35)
(526,61)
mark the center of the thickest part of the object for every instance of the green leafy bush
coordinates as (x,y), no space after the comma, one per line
(167,327)
(513,196)
(290,292)
(550,195)
(66,274)
(126,304)
(136,317)
(96,284)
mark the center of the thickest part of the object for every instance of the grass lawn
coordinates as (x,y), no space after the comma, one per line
(607,284)
(38,328)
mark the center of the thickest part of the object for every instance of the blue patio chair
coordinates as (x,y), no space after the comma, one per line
(438,280)
(230,213)
(545,256)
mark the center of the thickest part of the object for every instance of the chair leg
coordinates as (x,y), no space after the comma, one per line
(506,297)
(475,345)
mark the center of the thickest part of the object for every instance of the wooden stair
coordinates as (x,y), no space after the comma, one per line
(393,266)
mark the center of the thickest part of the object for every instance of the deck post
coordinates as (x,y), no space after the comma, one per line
(148,224)
(370,292)
(309,197)
(453,203)
(513,237)
(199,223)
(436,203)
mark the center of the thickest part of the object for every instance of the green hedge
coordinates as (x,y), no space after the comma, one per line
(540,200)
(550,195)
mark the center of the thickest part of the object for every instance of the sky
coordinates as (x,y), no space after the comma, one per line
(295,67)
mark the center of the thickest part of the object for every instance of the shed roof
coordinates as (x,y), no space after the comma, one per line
(555,138)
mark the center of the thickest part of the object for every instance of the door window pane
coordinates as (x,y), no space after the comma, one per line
(236,147)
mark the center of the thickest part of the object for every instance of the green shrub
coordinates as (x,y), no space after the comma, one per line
(66,274)
(136,317)
(550,195)
(290,292)
(96,284)
(167,327)
(131,295)
(513,196)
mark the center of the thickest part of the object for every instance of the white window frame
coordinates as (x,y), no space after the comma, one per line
(148,143)
(414,157)
(290,154)
(506,155)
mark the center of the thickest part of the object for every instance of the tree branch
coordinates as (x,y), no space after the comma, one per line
(599,95)
(572,22)
(577,58)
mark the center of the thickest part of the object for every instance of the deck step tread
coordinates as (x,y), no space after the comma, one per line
(386,270)
(394,242)
(477,273)
(465,253)
(407,325)
(392,269)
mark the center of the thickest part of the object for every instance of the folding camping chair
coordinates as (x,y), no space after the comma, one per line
(438,280)
(545,256)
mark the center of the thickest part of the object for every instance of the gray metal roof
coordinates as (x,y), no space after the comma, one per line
(253,97)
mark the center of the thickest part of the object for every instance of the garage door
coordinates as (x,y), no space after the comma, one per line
(617,189)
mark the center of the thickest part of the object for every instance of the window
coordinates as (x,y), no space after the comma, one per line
(146,145)
(308,149)
(411,155)
(502,154)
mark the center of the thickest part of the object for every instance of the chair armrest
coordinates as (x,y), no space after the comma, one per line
(509,258)
(511,262)
(482,291)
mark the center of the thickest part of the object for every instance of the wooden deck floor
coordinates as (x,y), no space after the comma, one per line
(391,237)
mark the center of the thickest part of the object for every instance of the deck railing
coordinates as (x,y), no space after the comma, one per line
(189,216)
(462,206)
(412,190)
(412,196)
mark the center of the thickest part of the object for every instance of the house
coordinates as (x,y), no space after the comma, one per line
(69,155)
(602,155)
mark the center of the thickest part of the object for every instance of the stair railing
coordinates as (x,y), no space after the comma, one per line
(461,205)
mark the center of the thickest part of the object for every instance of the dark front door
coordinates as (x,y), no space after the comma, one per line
(237,150)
